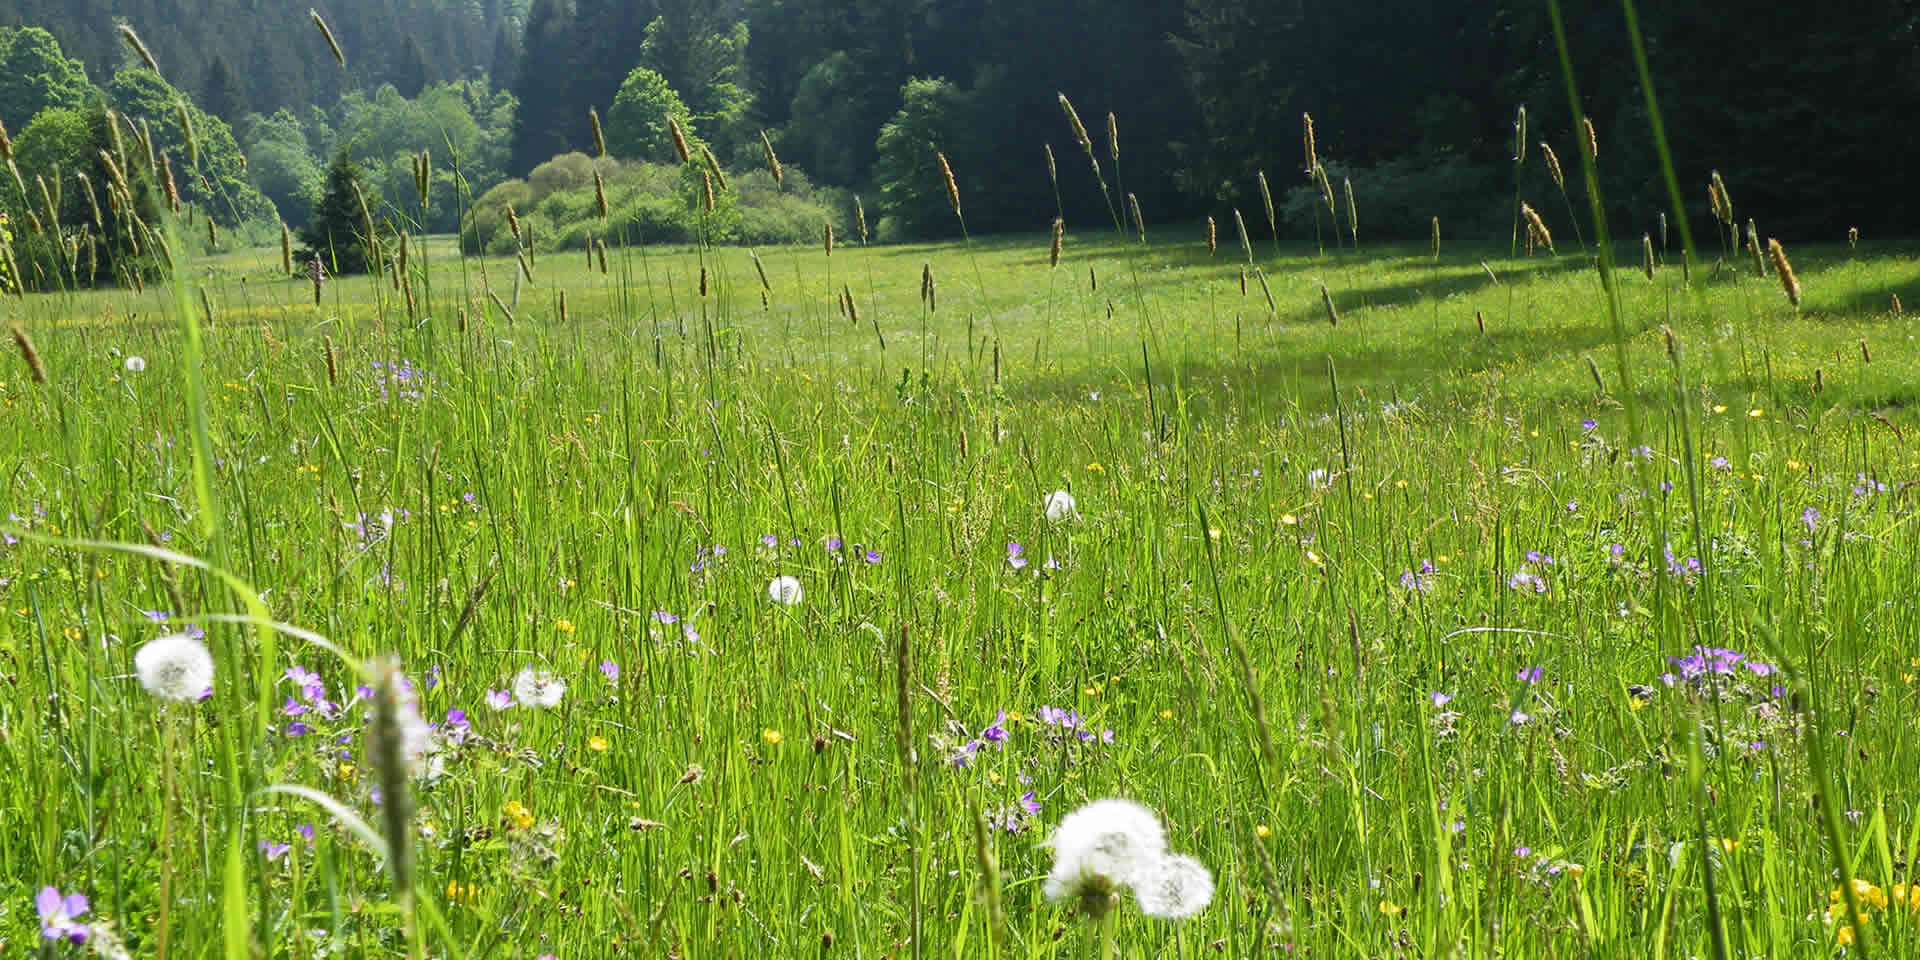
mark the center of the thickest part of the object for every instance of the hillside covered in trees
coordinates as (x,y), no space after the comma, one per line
(1414,102)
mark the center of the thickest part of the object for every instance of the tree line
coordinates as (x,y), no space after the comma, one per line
(1416,104)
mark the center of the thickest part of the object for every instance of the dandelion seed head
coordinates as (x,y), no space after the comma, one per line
(136,363)
(1101,847)
(1061,507)
(1174,887)
(174,666)
(538,688)
(785,590)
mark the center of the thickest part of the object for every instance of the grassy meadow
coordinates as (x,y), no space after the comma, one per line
(1466,626)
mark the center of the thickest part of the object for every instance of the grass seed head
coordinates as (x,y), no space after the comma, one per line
(679,139)
(1781,266)
(1306,136)
(35,367)
(1593,140)
(333,45)
(1553,166)
(1213,237)
(713,166)
(860,218)
(1113,138)
(599,138)
(1079,129)
(1059,237)
(1139,222)
(1266,200)
(953,188)
(133,40)
(773,160)
(1520,136)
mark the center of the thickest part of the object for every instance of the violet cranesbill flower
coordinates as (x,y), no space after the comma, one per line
(1529,675)
(1016,556)
(499,699)
(298,728)
(1029,804)
(59,915)
(871,556)
(274,851)
(610,670)
(997,733)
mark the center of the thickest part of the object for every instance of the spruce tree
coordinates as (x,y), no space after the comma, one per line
(336,233)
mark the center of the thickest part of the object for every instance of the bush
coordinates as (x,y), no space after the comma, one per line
(650,203)
(1397,201)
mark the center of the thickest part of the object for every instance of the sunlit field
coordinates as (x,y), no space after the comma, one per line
(784,604)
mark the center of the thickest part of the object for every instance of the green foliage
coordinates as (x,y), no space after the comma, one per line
(701,55)
(829,123)
(35,75)
(934,117)
(219,184)
(647,203)
(336,231)
(1397,202)
(55,146)
(281,166)
(636,126)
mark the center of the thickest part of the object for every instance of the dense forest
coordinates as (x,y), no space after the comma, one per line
(1415,104)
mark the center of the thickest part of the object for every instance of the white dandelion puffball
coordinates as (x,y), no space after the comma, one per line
(174,667)
(1060,507)
(1101,847)
(1175,887)
(538,688)
(136,363)
(785,590)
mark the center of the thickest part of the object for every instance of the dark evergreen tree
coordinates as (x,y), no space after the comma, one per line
(413,73)
(337,230)
(221,93)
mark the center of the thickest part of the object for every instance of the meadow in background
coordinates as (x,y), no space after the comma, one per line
(786,602)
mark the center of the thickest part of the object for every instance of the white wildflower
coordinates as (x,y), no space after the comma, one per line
(136,364)
(785,590)
(538,688)
(1061,507)
(174,667)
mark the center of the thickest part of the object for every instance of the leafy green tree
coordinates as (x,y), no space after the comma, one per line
(702,55)
(281,166)
(336,230)
(54,147)
(829,126)
(35,75)
(636,127)
(218,184)
(934,117)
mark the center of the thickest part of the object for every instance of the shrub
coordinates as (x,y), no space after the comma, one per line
(1398,200)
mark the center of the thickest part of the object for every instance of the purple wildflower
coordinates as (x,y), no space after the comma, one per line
(1529,675)
(1810,517)
(1440,699)
(59,915)
(610,670)
(663,617)
(305,831)
(1016,556)
(997,733)
(872,556)
(499,699)
(1029,804)
(274,851)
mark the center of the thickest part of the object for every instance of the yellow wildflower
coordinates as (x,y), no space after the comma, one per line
(564,626)
(1262,831)
(597,743)
(518,814)
(771,736)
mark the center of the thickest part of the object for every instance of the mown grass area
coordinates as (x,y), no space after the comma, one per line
(1420,639)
